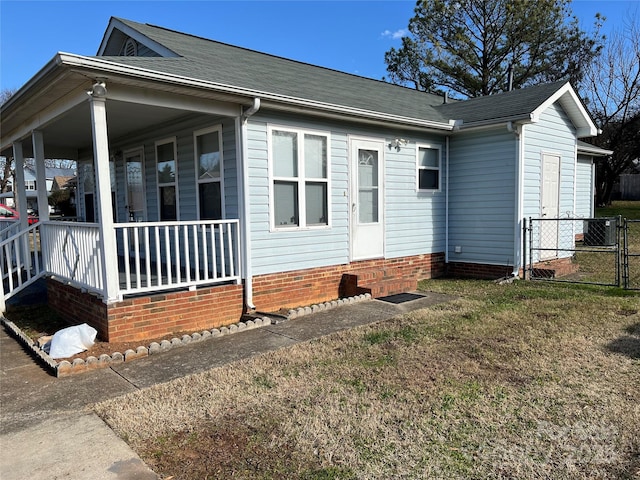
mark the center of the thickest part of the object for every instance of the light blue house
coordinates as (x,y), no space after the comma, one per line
(226,179)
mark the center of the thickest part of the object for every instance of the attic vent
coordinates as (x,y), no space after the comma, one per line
(130,48)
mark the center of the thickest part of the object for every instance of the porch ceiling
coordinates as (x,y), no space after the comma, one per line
(70,135)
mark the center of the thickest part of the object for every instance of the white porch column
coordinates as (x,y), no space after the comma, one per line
(19,190)
(41,175)
(108,252)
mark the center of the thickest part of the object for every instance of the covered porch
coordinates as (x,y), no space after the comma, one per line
(129,247)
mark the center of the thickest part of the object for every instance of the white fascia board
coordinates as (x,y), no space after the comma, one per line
(137,36)
(103,67)
(583,122)
(595,151)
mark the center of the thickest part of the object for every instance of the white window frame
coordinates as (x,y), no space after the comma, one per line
(159,185)
(220,180)
(301,179)
(420,167)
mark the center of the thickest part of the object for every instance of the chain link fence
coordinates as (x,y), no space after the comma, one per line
(631,254)
(578,250)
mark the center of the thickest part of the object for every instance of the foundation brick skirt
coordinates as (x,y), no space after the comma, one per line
(152,316)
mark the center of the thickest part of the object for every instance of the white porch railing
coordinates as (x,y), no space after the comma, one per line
(20,260)
(159,256)
(72,253)
(152,256)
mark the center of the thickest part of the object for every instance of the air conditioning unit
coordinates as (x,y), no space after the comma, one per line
(600,232)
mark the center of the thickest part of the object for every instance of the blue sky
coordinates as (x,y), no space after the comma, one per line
(351,36)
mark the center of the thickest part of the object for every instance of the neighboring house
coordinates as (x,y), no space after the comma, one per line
(224,179)
(31,185)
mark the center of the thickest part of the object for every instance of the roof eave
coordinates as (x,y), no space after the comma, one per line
(99,67)
(595,151)
(580,117)
(494,122)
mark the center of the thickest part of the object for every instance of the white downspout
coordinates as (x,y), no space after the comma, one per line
(244,200)
(446,202)
(518,130)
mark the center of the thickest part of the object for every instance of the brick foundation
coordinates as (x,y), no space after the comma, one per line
(146,317)
(478,270)
(304,287)
(152,316)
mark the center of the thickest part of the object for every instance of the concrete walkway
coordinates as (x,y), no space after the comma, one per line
(48,430)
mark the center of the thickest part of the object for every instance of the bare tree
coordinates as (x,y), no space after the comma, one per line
(6,94)
(611,89)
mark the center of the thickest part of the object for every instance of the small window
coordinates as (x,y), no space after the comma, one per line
(300,178)
(208,153)
(167,179)
(428,167)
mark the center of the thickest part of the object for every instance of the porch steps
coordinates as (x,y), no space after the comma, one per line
(555,269)
(378,282)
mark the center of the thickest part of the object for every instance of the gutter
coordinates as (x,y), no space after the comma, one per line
(245,206)
(446,202)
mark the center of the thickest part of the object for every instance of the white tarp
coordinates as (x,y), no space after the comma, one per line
(71,340)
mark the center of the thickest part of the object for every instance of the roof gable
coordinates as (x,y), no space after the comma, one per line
(524,105)
(119,31)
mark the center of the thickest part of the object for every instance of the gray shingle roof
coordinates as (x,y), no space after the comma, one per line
(217,62)
(516,103)
(213,61)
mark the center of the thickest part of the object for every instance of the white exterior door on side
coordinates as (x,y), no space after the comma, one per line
(550,206)
(367,208)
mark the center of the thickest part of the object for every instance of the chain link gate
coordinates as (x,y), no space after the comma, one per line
(631,254)
(577,250)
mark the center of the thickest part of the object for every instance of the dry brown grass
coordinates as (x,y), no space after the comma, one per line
(515,381)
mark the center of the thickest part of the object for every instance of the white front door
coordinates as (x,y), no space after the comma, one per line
(367,208)
(550,206)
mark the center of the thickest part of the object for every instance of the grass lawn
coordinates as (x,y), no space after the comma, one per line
(527,380)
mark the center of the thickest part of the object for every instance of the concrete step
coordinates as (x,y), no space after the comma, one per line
(377,282)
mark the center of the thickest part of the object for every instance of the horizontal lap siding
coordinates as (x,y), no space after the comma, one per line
(553,134)
(482,197)
(281,251)
(187,182)
(584,187)
(414,222)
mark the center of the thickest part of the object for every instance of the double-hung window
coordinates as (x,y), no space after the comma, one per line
(166,160)
(300,178)
(208,152)
(428,162)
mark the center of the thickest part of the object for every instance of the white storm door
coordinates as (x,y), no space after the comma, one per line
(367,225)
(550,206)
(135,193)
